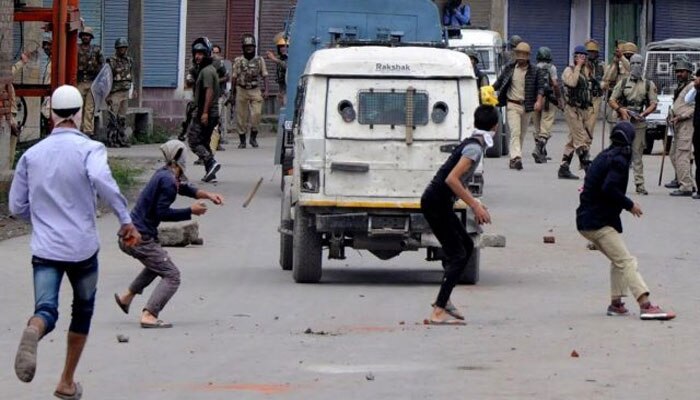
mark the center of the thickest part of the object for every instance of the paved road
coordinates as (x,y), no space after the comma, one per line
(240,320)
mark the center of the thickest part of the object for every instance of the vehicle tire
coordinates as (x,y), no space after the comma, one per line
(471,273)
(286,224)
(306,257)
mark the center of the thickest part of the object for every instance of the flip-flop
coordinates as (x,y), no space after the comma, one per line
(157,325)
(124,307)
(72,396)
(452,310)
(446,322)
(25,360)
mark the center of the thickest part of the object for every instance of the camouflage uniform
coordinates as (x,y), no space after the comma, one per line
(118,100)
(90,62)
(249,100)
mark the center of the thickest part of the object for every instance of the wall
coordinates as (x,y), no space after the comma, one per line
(6,42)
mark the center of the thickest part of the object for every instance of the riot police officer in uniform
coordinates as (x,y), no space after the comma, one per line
(544,120)
(597,66)
(579,104)
(122,79)
(249,74)
(90,62)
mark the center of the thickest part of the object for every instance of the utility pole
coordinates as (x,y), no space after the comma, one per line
(136,48)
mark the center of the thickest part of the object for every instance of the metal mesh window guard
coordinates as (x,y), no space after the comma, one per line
(389,108)
(660,68)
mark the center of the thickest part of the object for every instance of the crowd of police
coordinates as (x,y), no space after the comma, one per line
(587,88)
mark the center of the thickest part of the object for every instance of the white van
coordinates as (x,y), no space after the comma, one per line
(372,127)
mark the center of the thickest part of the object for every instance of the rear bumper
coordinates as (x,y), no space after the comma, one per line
(373,224)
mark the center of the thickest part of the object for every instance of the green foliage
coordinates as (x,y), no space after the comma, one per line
(160,135)
(124,173)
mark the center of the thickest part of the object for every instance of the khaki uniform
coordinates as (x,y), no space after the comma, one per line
(597,80)
(90,62)
(633,96)
(249,100)
(577,112)
(614,73)
(118,100)
(544,120)
(682,146)
(518,119)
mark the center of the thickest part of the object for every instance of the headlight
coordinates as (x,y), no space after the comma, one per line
(310,181)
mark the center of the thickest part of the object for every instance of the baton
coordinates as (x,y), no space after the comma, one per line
(663,152)
(252,193)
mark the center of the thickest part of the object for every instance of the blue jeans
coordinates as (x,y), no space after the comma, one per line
(47,284)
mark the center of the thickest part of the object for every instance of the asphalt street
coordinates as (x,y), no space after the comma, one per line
(240,321)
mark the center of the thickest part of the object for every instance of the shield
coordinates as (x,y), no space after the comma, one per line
(101,87)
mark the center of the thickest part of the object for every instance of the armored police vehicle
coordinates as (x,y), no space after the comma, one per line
(659,67)
(376,103)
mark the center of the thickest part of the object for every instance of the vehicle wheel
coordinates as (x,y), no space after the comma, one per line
(286,225)
(471,273)
(306,258)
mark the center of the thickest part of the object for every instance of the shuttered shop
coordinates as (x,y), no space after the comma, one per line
(161,43)
(273,16)
(206,18)
(676,19)
(116,14)
(542,23)
(598,21)
(241,20)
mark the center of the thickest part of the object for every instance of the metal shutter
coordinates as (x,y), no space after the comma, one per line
(598,21)
(116,14)
(676,19)
(91,12)
(205,18)
(273,16)
(542,23)
(161,43)
(241,20)
(480,13)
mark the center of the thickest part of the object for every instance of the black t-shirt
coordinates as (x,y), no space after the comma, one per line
(208,79)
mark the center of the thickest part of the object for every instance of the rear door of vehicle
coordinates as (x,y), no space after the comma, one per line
(376,154)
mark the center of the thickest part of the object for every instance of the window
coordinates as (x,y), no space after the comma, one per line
(389,107)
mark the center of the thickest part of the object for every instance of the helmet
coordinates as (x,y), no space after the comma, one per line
(514,40)
(682,64)
(471,53)
(628,47)
(592,45)
(87,31)
(580,50)
(66,105)
(544,54)
(175,151)
(281,41)
(121,42)
(247,40)
(202,45)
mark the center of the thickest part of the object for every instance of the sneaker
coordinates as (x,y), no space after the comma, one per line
(641,190)
(681,193)
(211,173)
(673,185)
(649,312)
(617,310)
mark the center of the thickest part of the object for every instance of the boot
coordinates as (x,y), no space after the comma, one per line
(640,189)
(584,159)
(539,153)
(241,145)
(253,138)
(565,172)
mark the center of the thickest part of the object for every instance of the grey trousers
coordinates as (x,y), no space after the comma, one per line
(157,263)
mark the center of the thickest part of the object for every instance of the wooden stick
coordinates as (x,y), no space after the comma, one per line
(252,193)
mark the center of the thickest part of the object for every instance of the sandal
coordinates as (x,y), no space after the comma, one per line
(156,325)
(452,310)
(446,322)
(124,307)
(77,395)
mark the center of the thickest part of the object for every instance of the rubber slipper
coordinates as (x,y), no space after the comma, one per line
(77,395)
(447,322)
(25,360)
(452,310)
(156,325)
(124,307)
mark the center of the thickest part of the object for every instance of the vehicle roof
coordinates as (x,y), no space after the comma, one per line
(420,62)
(477,37)
(689,44)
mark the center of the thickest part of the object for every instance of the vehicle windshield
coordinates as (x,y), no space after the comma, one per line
(486,61)
(659,68)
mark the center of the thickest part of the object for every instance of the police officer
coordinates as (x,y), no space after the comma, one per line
(682,119)
(578,108)
(597,66)
(122,77)
(205,114)
(481,78)
(634,98)
(280,59)
(544,120)
(249,73)
(90,62)
(513,42)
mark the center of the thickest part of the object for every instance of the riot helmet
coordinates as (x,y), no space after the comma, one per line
(121,43)
(544,54)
